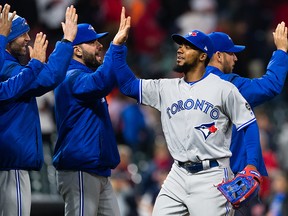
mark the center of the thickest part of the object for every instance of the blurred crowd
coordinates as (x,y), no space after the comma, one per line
(145,160)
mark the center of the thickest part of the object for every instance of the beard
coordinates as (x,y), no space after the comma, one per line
(183,68)
(90,60)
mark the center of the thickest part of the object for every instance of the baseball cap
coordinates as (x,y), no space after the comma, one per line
(86,33)
(223,43)
(19,26)
(198,39)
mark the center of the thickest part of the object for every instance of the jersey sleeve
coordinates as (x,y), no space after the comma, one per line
(239,109)
(97,84)
(54,71)
(150,93)
(259,90)
(15,86)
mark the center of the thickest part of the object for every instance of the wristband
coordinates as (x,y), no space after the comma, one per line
(65,41)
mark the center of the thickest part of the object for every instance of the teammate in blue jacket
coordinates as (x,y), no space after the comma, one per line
(14,86)
(86,148)
(20,134)
(256,91)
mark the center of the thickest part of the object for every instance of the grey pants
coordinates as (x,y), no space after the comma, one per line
(15,193)
(86,194)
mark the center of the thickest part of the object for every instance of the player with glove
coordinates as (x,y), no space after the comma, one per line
(243,188)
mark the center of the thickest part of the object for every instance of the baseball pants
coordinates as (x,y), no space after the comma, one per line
(15,193)
(188,194)
(86,194)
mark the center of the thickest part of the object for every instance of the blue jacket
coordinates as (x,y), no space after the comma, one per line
(3,42)
(86,139)
(20,135)
(256,91)
(14,86)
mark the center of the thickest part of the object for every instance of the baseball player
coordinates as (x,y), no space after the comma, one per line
(20,135)
(15,85)
(256,91)
(197,114)
(86,148)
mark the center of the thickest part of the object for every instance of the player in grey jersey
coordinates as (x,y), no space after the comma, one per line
(197,114)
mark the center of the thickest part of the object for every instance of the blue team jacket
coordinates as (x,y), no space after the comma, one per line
(3,42)
(14,87)
(256,91)
(20,134)
(86,139)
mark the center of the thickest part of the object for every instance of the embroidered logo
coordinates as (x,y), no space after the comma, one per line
(207,129)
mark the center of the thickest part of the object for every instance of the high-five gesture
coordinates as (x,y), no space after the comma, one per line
(70,25)
(40,47)
(280,37)
(5,21)
(122,34)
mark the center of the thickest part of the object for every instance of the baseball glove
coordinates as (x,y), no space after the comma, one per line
(242,188)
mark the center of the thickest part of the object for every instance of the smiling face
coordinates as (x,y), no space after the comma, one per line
(89,54)
(187,58)
(18,47)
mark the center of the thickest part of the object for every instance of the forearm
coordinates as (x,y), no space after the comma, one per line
(252,144)
(127,81)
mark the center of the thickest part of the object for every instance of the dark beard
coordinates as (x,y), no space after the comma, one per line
(182,69)
(90,61)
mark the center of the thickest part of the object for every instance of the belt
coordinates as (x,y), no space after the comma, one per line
(194,167)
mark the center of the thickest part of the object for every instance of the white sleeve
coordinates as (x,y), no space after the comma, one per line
(150,93)
(239,109)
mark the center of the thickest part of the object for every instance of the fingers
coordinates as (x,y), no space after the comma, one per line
(70,25)
(71,14)
(280,37)
(40,47)
(5,22)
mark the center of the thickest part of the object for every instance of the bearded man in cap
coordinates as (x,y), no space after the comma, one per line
(86,148)
(20,136)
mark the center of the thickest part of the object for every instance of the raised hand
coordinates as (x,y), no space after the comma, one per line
(40,47)
(124,27)
(5,21)
(280,37)
(70,25)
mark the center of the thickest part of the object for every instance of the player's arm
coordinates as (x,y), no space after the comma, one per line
(127,81)
(55,69)
(252,143)
(17,85)
(259,90)
(242,116)
(87,86)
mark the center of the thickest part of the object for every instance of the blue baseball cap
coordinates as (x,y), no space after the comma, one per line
(223,43)
(19,27)
(198,39)
(86,33)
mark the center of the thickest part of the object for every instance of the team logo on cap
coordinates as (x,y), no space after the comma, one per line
(192,34)
(207,129)
(90,27)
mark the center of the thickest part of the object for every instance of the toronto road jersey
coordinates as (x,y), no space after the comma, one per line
(256,91)
(197,119)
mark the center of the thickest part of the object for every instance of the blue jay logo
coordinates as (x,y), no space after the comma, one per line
(207,129)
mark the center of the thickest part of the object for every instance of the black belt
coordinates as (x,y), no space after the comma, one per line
(194,167)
